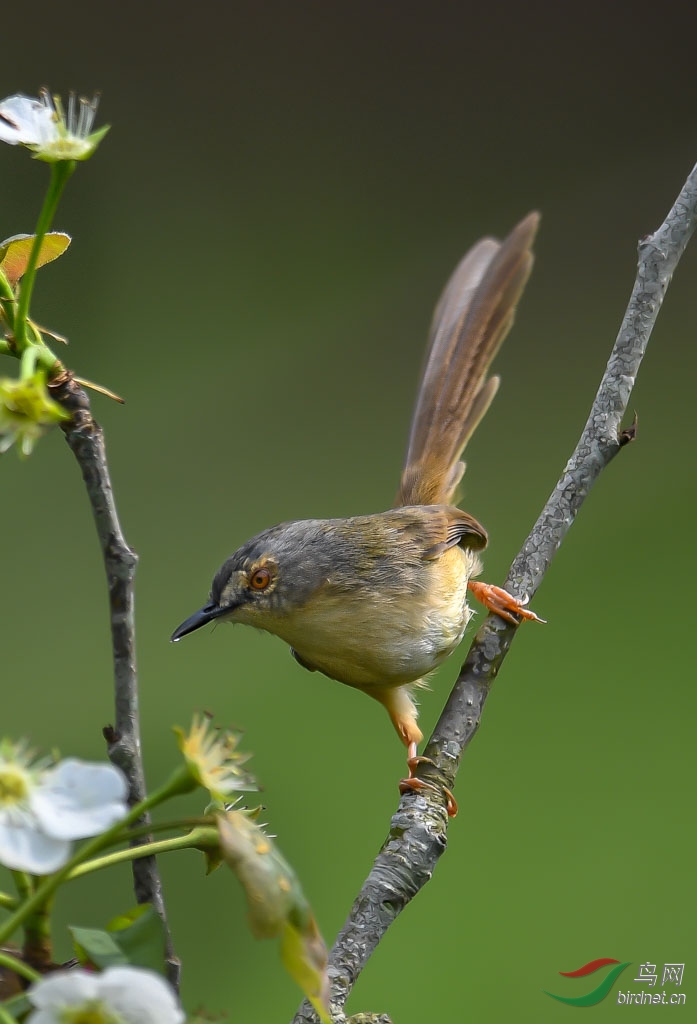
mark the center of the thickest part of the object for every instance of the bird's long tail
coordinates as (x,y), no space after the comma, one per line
(473,316)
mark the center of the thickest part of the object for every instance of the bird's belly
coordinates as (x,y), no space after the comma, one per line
(383,639)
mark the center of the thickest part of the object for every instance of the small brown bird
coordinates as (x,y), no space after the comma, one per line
(379,601)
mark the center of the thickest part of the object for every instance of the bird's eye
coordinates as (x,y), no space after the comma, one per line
(260,579)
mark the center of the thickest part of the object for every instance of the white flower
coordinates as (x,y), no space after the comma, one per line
(42,126)
(25,121)
(42,809)
(121,995)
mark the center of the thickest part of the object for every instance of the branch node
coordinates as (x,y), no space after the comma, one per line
(629,433)
(110,735)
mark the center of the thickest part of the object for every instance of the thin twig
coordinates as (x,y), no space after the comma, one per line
(86,439)
(418,830)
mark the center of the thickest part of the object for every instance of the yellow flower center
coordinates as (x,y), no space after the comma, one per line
(93,1012)
(69,148)
(14,785)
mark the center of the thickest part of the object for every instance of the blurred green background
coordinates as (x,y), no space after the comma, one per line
(258,246)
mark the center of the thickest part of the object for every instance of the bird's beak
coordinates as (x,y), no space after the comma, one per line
(204,615)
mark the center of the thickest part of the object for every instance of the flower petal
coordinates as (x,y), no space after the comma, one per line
(23,848)
(43,1017)
(78,799)
(26,121)
(64,988)
(6,441)
(139,996)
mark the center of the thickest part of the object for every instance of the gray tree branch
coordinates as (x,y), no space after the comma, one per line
(418,832)
(86,440)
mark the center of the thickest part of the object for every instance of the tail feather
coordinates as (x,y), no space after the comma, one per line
(473,316)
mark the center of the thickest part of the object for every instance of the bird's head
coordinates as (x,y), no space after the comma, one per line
(269,576)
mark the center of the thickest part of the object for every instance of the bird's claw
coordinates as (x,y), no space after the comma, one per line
(415,784)
(499,601)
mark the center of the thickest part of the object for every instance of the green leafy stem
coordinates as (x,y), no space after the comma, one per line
(60,173)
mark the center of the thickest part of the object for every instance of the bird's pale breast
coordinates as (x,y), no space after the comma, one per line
(383,638)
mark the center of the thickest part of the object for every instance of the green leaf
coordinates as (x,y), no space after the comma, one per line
(270,884)
(125,920)
(96,947)
(277,904)
(18,1006)
(15,251)
(140,935)
(304,956)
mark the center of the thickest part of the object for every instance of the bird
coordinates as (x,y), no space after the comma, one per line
(379,601)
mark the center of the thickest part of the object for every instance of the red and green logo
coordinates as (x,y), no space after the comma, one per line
(601,990)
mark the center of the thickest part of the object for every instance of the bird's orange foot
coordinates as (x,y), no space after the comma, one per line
(499,601)
(413,783)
